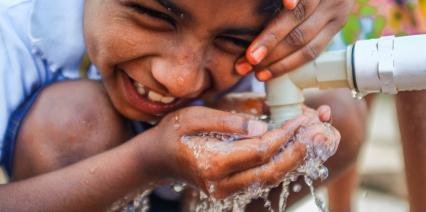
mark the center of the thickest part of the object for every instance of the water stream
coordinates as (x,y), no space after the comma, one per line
(311,169)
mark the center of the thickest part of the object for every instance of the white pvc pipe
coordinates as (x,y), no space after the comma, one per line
(386,65)
(390,64)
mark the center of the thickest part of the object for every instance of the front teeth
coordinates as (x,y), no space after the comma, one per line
(167,99)
(156,97)
(139,87)
(152,95)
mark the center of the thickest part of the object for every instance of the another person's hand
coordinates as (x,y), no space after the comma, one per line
(223,168)
(295,36)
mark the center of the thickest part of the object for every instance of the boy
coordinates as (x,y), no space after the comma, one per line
(126,41)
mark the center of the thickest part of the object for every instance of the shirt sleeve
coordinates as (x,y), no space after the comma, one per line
(20,72)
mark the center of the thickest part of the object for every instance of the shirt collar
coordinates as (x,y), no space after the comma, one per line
(56,32)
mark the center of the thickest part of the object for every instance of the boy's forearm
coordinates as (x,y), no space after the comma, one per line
(92,184)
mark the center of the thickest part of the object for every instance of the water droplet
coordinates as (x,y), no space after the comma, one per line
(93,170)
(176,123)
(358,95)
(264,118)
(297,188)
(178,187)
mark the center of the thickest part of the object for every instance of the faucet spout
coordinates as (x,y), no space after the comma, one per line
(285,93)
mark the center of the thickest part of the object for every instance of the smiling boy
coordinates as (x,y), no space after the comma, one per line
(154,57)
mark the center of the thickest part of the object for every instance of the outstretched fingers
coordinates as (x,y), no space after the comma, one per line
(266,175)
(244,154)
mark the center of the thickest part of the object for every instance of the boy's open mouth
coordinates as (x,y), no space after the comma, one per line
(145,99)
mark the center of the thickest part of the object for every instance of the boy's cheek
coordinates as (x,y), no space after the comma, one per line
(223,75)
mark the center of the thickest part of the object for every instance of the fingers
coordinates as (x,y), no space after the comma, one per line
(324,112)
(305,54)
(200,119)
(298,37)
(294,37)
(245,154)
(278,29)
(266,175)
(324,138)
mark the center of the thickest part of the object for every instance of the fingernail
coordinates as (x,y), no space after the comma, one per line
(256,128)
(319,138)
(264,75)
(290,4)
(243,68)
(324,113)
(258,55)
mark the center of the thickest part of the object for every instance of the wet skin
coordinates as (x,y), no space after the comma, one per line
(185,52)
(186,58)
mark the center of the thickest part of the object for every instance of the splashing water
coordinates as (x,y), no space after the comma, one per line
(311,169)
(236,202)
(139,203)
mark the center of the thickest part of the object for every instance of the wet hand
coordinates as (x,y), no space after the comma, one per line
(289,156)
(206,161)
(295,36)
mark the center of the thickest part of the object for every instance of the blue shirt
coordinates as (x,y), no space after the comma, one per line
(39,39)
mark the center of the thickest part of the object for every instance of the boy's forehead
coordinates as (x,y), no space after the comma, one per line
(255,7)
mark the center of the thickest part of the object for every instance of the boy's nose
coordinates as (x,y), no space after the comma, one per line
(182,75)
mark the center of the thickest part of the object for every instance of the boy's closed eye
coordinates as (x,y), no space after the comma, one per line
(160,21)
(151,18)
(231,44)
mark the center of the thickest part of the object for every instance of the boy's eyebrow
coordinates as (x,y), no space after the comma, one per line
(242,31)
(172,7)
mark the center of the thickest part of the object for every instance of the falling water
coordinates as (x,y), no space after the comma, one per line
(311,169)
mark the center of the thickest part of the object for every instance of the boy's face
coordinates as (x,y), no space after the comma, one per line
(157,55)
